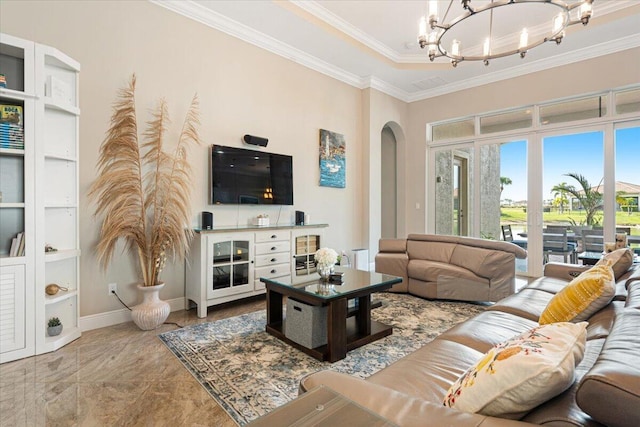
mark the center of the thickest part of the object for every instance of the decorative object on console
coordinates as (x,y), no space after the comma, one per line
(255,140)
(143,192)
(325,259)
(262,220)
(332,159)
(54,327)
(500,30)
(299,218)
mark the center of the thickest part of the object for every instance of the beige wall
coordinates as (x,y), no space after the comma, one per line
(242,89)
(598,74)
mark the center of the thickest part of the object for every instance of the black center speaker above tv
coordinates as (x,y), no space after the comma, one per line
(255,140)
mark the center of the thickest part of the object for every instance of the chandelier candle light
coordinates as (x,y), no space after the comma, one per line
(498,44)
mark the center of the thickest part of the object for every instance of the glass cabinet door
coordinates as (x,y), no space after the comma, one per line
(305,247)
(230,272)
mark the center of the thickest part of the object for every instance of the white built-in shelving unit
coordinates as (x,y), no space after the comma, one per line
(40,198)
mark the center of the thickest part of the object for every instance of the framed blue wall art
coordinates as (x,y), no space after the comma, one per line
(333,162)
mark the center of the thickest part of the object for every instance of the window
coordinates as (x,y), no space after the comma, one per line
(628,101)
(451,130)
(568,111)
(519,119)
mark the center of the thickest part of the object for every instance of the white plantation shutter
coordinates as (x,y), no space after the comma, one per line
(11,308)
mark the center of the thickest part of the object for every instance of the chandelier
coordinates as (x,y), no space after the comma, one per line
(504,43)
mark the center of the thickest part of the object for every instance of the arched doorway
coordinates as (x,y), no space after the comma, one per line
(389,184)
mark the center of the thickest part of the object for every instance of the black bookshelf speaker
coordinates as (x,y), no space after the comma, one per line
(299,218)
(207,220)
(255,140)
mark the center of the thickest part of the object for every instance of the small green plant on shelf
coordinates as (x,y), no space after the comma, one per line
(54,321)
(54,327)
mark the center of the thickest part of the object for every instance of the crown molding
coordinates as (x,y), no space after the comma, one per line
(245,33)
(590,52)
(384,87)
(345,27)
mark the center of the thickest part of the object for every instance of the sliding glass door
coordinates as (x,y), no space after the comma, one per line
(572,195)
(627,183)
(503,193)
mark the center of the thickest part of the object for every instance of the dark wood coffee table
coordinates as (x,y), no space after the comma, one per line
(345,332)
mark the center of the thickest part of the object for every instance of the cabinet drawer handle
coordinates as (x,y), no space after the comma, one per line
(273,236)
(273,271)
(274,259)
(273,248)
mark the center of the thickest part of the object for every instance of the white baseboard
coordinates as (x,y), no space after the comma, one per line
(109,318)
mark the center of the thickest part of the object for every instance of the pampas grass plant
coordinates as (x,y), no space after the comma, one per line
(143,192)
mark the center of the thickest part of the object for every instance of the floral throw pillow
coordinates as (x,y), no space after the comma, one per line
(522,372)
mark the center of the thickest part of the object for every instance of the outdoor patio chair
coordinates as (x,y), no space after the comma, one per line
(592,240)
(507,235)
(626,230)
(554,242)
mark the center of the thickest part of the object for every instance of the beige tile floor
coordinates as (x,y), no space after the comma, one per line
(113,376)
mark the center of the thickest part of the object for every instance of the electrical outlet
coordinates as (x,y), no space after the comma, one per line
(113,288)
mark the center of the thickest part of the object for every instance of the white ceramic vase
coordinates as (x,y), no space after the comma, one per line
(152,312)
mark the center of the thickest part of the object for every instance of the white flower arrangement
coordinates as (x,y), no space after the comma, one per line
(325,257)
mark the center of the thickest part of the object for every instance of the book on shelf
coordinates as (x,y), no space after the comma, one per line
(14,246)
(21,245)
(17,245)
(11,134)
(11,114)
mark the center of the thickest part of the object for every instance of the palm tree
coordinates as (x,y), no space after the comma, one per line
(627,202)
(504,181)
(590,199)
(560,201)
(560,195)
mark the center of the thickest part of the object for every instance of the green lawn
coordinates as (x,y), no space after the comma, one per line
(519,216)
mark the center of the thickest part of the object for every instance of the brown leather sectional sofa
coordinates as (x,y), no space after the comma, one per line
(450,267)
(606,390)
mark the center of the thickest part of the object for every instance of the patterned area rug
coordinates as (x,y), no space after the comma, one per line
(249,372)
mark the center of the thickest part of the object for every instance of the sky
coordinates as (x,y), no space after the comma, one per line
(581,153)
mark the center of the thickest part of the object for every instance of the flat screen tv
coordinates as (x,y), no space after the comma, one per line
(242,176)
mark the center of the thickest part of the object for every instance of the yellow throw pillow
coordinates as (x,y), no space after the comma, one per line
(582,297)
(522,372)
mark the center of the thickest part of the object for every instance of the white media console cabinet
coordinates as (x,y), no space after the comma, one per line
(226,263)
